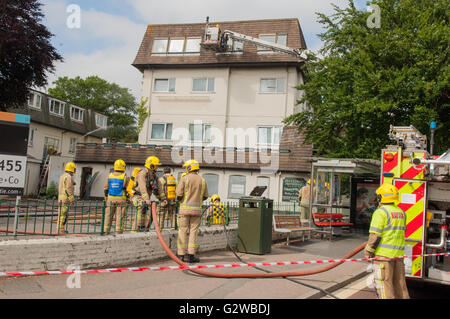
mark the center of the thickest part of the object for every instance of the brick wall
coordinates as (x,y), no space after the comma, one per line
(96,252)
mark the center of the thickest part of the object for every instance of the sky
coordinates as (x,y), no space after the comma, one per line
(104,38)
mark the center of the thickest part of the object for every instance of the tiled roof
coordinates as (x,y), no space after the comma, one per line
(291,27)
(293,156)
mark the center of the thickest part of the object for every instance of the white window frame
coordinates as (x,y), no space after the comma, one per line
(31,137)
(272,135)
(73,145)
(199,39)
(53,140)
(212,189)
(204,127)
(73,111)
(171,82)
(277,90)
(103,118)
(208,83)
(276,35)
(51,107)
(165,132)
(33,103)
(160,52)
(176,39)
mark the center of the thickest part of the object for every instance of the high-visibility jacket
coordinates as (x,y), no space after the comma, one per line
(194,191)
(389,222)
(66,187)
(116,185)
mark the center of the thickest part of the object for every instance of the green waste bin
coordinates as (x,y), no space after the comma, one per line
(255,225)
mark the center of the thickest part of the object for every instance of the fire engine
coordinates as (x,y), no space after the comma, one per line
(423,182)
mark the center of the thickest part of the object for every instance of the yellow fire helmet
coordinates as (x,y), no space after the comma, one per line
(71,167)
(215,197)
(388,193)
(152,162)
(119,165)
(191,165)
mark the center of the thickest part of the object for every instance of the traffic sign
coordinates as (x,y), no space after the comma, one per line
(14,130)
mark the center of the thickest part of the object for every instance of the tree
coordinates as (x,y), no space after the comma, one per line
(26,54)
(101,96)
(370,78)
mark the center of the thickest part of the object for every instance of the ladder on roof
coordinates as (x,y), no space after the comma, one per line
(44,173)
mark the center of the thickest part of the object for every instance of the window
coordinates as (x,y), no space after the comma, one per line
(273,38)
(203,85)
(73,145)
(76,113)
(269,135)
(200,132)
(57,107)
(35,100)
(235,46)
(272,85)
(161,131)
(50,142)
(263,181)
(164,85)
(176,46)
(160,46)
(236,186)
(31,136)
(193,45)
(101,120)
(212,182)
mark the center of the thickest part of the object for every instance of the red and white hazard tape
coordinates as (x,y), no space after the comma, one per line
(263,264)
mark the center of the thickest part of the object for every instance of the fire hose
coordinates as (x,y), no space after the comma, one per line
(246,275)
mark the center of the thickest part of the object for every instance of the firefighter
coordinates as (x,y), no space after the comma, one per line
(145,184)
(191,191)
(216,213)
(65,195)
(116,200)
(387,239)
(303,197)
(168,203)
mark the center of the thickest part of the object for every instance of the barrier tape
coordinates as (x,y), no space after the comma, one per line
(262,264)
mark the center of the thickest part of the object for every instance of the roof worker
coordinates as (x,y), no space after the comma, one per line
(304,195)
(168,205)
(146,183)
(217,212)
(387,239)
(65,195)
(116,199)
(191,191)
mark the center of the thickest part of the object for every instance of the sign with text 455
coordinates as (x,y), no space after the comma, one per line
(12,174)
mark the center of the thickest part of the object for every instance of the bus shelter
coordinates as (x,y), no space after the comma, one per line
(336,200)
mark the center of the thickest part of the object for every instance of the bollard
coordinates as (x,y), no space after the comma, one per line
(16,216)
(102,232)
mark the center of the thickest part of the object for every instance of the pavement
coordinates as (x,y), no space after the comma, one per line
(183,284)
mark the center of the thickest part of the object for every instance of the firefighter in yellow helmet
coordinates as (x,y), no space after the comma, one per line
(116,200)
(65,196)
(217,212)
(146,183)
(387,239)
(191,191)
(167,205)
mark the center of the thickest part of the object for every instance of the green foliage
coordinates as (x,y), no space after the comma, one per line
(371,78)
(106,98)
(51,192)
(142,112)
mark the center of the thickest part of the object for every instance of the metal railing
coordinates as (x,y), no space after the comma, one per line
(39,218)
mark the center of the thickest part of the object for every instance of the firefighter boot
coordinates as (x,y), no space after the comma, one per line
(192,259)
(180,257)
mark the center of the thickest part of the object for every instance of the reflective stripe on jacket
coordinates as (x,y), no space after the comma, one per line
(194,192)
(389,222)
